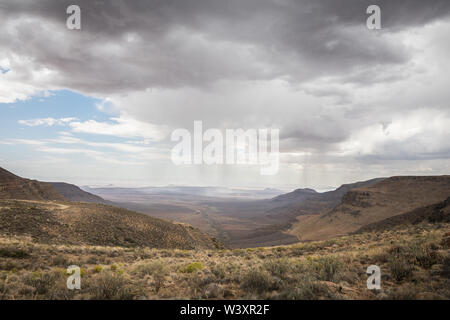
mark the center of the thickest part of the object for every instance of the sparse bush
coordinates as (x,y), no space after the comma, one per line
(182,254)
(400,268)
(109,286)
(297,251)
(150,268)
(12,266)
(328,268)
(92,260)
(256,281)
(306,289)
(219,272)
(277,267)
(7,252)
(405,292)
(446,267)
(42,282)
(424,255)
(157,270)
(198,283)
(60,260)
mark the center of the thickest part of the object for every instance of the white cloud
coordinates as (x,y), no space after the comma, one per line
(124,126)
(421,133)
(46,122)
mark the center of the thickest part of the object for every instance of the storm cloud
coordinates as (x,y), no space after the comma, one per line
(339,92)
(135,45)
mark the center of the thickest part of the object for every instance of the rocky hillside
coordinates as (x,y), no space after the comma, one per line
(365,205)
(287,207)
(95,224)
(43,212)
(439,212)
(15,187)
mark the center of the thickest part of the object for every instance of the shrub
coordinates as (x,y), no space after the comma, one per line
(182,254)
(92,260)
(446,267)
(278,268)
(219,272)
(150,268)
(192,267)
(42,282)
(60,260)
(405,292)
(98,269)
(159,272)
(424,255)
(256,281)
(328,268)
(306,289)
(157,269)
(400,268)
(13,253)
(198,284)
(108,286)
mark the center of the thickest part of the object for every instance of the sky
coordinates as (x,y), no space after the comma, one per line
(97,106)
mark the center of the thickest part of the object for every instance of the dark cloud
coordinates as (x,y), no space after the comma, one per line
(133,45)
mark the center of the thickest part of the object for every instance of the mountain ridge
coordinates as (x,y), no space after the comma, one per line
(369,204)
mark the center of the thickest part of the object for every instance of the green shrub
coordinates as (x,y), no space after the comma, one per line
(192,267)
(98,269)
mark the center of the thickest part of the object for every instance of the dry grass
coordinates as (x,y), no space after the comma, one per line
(414,261)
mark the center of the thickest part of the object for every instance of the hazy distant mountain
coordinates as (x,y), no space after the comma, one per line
(215,192)
(296,195)
(369,204)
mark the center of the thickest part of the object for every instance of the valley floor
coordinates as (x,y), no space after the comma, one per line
(414,262)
